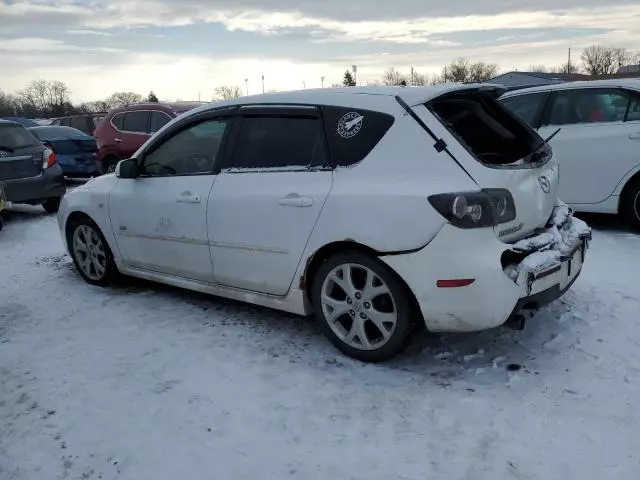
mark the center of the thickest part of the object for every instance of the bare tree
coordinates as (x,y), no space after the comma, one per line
(463,71)
(121,99)
(227,92)
(393,77)
(45,97)
(597,60)
(419,79)
(538,68)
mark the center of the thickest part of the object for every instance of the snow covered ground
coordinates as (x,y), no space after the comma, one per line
(150,382)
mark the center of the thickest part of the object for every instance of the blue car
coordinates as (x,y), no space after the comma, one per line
(75,151)
(25,122)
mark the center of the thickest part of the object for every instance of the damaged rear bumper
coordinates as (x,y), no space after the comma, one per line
(547,264)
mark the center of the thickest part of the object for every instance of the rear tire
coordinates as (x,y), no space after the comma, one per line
(363,307)
(91,254)
(631,205)
(51,205)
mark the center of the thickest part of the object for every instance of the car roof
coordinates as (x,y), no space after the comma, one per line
(633,83)
(8,122)
(332,96)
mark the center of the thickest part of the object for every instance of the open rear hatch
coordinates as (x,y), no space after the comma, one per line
(498,151)
(20,153)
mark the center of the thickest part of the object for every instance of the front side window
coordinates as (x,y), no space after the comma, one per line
(280,141)
(190,151)
(137,122)
(158,120)
(582,106)
(525,106)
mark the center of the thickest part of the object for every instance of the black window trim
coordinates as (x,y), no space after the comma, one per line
(275,110)
(158,141)
(630,94)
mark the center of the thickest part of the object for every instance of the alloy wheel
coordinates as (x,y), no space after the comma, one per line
(89,252)
(358,306)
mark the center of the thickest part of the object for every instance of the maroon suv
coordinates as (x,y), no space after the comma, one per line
(125,129)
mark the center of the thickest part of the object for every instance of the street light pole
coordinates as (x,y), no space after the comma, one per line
(262,83)
(355,74)
(322,80)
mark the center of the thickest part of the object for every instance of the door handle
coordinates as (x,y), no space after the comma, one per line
(635,136)
(188,197)
(295,200)
(117,140)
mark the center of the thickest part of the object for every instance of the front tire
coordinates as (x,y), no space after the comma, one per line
(91,254)
(631,205)
(51,205)
(362,306)
(109,164)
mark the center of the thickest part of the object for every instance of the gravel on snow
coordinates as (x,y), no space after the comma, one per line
(150,382)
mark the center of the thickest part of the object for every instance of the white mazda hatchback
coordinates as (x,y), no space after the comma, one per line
(376,209)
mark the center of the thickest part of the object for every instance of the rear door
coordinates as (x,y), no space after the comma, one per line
(264,206)
(497,150)
(599,140)
(20,153)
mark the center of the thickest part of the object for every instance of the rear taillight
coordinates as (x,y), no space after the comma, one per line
(48,158)
(485,208)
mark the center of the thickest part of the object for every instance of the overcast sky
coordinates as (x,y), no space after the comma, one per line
(180,48)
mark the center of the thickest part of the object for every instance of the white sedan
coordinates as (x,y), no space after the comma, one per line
(377,210)
(598,145)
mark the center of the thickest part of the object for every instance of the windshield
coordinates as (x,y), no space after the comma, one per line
(14,136)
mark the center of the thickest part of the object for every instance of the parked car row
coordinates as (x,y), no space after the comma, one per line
(377,210)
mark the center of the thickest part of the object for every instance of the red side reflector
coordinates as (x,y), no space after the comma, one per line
(455,283)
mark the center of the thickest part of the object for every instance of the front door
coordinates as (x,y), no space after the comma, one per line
(160,218)
(598,142)
(263,208)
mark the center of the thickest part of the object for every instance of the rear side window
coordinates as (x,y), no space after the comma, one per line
(137,122)
(280,141)
(118,120)
(487,129)
(16,136)
(589,105)
(527,107)
(353,133)
(64,122)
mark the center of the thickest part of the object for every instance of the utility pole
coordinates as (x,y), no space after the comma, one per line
(355,74)
(569,63)
(246,83)
(322,81)
(262,83)
(412,78)
(198,95)
(304,85)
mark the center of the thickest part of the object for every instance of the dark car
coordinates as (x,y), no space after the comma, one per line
(28,169)
(86,123)
(25,122)
(125,129)
(75,150)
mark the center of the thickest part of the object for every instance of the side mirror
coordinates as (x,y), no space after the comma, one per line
(128,168)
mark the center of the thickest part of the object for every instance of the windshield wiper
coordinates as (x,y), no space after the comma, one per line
(536,155)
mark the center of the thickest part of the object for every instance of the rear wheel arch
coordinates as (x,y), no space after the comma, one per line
(316,260)
(628,204)
(634,180)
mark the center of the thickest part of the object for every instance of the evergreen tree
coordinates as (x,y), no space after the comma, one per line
(152,97)
(348,80)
